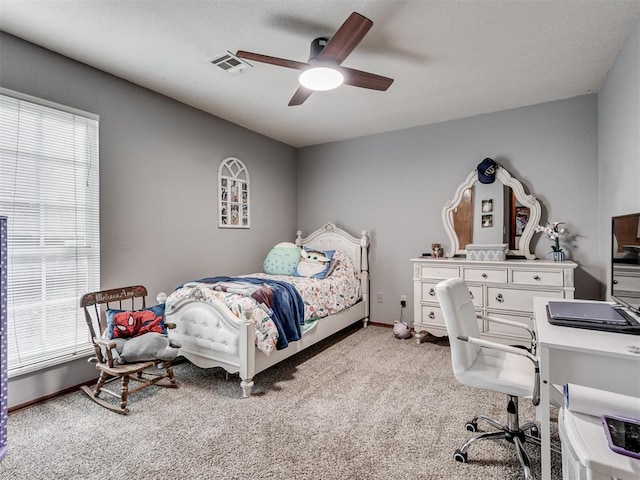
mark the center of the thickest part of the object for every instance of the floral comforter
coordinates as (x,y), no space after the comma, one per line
(321,298)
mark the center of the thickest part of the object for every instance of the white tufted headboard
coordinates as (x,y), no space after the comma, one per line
(330,237)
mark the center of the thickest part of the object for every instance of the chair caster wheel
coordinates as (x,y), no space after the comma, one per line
(471,426)
(458,456)
(535,432)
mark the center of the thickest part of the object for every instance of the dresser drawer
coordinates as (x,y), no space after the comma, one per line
(544,278)
(485,275)
(626,283)
(500,329)
(432,314)
(512,299)
(428,293)
(436,271)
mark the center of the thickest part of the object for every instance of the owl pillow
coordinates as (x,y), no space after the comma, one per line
(314,263)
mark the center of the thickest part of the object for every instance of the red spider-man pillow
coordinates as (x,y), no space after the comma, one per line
(131,323)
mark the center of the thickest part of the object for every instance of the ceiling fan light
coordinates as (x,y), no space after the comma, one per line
(321,78)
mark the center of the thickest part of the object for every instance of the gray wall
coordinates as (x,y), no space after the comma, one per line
(395,185)
(619,142)
(158,172)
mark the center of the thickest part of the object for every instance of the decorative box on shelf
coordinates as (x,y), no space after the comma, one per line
(497,252)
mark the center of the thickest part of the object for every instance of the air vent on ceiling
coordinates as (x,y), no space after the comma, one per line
(228,62)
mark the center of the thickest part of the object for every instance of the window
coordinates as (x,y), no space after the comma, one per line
(49,192)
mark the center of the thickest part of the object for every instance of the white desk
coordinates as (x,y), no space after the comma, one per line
(584,357)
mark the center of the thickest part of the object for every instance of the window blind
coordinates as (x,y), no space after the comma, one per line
(49,191)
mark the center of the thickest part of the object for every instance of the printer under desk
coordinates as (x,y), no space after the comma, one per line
(586,454)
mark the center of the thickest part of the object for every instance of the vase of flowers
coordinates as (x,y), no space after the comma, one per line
(558,256)
(553,231)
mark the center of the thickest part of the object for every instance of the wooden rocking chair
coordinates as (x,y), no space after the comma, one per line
(121,299)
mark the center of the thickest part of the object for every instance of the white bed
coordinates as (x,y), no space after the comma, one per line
(212,336)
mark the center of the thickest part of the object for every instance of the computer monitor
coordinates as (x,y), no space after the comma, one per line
(625,261)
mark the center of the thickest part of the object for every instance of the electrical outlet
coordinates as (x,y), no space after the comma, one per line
(403,301)
(380,297)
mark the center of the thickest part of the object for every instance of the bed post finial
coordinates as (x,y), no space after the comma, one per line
(299,238)
(364,239)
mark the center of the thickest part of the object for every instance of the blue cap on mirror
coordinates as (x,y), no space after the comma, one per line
(487,171)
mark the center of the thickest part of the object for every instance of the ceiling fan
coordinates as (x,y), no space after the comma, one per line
(324,70)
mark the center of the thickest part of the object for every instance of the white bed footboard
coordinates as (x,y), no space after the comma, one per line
(211,336)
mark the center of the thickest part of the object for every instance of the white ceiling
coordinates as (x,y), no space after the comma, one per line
(449,59)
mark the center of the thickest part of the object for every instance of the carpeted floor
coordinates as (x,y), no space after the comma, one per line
(362,405)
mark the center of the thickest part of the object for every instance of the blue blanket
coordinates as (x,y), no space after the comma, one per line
(288,307)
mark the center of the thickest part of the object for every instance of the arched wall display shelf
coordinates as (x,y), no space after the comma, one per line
(524,200)
(233,194)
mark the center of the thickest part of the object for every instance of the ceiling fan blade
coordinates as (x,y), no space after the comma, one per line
(348,36)
(281,62)
(300,96)
(358,78)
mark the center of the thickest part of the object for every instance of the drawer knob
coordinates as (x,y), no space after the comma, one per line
(615,282)
(536,277)
(484,275)
(471,294)
(500,298)
(432,292)
(432,315)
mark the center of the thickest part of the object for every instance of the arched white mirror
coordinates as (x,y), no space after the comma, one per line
(489,214)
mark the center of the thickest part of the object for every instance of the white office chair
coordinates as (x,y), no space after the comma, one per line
(491,366)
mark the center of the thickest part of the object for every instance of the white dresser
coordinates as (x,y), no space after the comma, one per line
(502,289)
